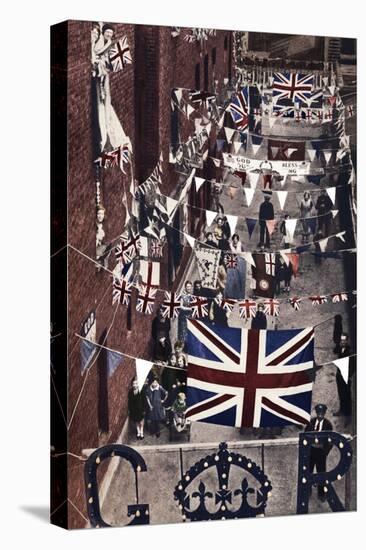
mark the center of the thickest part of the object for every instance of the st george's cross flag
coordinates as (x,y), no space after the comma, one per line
(249,378)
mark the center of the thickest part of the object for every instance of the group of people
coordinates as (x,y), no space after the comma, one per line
(162,400)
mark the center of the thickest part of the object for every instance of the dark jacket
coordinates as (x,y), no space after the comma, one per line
(325,446)
(266,211)
(283,272)
(136,405)
(155,400)
(259,322)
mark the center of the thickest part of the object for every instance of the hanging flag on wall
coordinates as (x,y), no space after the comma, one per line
(120,55)
(208,261)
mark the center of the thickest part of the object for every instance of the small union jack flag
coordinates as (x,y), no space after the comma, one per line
(156,248)
(231,261)
(225,303)
(247,309)
(128,248)
(199,307)
(239,109)
(339,297)
(350,110)
(283,111)
(272,307)
(199,97)
(317,300)
(293,86)
(295,302)
(120,55)
(121,291)
(110,158)
(146,299)
(171,305)
(270,260)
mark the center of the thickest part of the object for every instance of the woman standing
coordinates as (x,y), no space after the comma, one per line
(156,396)
(306,207)
(185,311)
(136,408)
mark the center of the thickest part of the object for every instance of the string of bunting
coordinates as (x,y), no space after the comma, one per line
(144,366)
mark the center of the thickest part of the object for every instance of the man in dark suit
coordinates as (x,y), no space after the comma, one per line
(266,212)
(344,389)
(319,450)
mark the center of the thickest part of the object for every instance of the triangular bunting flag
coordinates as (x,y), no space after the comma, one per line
(274,151)
(221,121)
(285,257)
(290,227)
(249,193)
(289,151)
(220,144)
(341,236)
(237,146)
(198,182)
(331,89)
(216,162)
(312,154)
(87,352)
(249,258)
(325,80)
(251,223)
(178,94)
(343,365)
(210,216)
(229,132)
(253,179)
(327,156)
(334,213)
(271,225)
(255,148)
(232,221)
(323,244)
(294,259)
(189,110)
(171,205)
(143,368)
(332,193)
(191,240)
(282,196)
(113,361)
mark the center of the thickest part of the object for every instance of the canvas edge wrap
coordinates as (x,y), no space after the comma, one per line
(58,272)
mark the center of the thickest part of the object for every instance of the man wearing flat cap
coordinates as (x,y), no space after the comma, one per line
(319,451)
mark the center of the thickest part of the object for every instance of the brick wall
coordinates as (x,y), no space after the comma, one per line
(141,98)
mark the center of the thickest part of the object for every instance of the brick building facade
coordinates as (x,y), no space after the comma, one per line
(95,405)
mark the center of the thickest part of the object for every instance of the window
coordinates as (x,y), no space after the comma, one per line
(205,85)
(213,56)
(197,77)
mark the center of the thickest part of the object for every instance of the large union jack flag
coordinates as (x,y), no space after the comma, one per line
(249,378)
(239,109)
(293,86)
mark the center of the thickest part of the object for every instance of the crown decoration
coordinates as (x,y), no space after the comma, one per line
(222,461)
